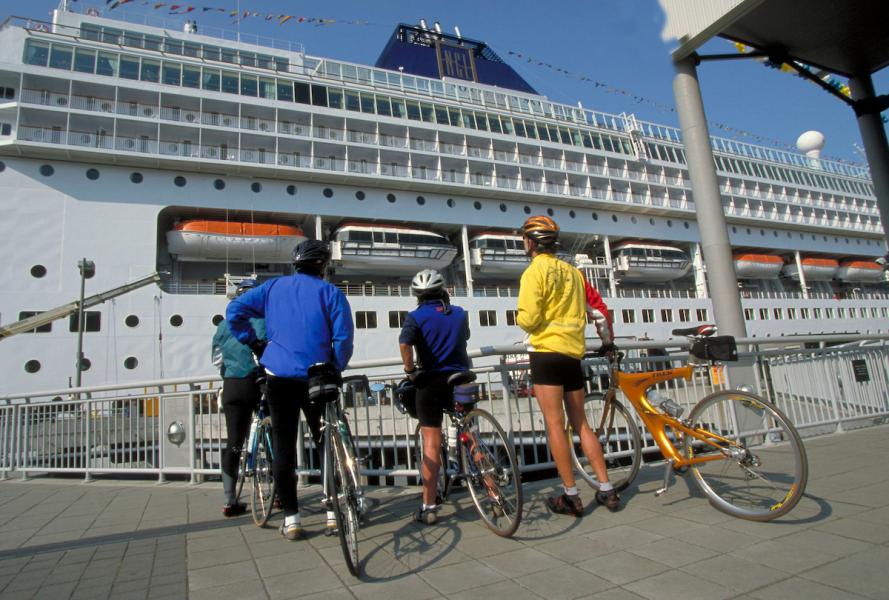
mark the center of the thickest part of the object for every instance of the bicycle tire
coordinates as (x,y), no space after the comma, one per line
(344,499)
(263,479)
(444,477)
(621,444)
(492,473)
(767,474)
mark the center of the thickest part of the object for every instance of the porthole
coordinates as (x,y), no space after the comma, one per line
(390,198)
(527,210)
(219,184)
(477,205)
(685,224)
(502,207)
(421,200)
(669,223)
(130,362)
(775,233)
(789,234)
(136,177)
(47,170)
(550,212)
(595,216)
(328,193)
(131,321)
(85,364)
(825,239)
(633,220)
(734,229)
(651,221)
(762,232)
(38,271)
(255,187)
(291,190)
(217,319)
(2,166)
(92,174)
(847,239)
(179,181)
(614,218)
(858,242)
(32,366)
(359,194)
(176,320)
(572,214)
(835,239)
(451,203)
(802,237)
(748,231)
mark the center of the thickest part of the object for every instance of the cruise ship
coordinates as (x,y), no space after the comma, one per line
(204,159)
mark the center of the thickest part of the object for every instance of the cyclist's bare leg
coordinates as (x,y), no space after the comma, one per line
(549,398)
(431,459)
(588,439)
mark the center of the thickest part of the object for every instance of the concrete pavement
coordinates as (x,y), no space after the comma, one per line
(123,539)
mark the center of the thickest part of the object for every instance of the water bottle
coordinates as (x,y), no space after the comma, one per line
(665,403)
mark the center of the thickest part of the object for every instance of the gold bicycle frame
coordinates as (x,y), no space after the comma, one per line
(634,385)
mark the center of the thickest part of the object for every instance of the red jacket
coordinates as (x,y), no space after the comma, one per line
(597,311)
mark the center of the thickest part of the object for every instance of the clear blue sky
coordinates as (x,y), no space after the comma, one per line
(616,42)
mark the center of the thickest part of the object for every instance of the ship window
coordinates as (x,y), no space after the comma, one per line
(256,187)
(396,318)
(804,314)
(291,190)
(701,314)
(384,107)
(176,320)
(493,243)
(32,366)
(367,103)
(172,73)
(648,315)
(229,82)
(328,193)
(248,59)
(249,86)
(36,53)
(390,198)
(107,64)
(85,364)
(487,318)
(319,95)
(628,315)
(791,313)
(136,177)
(45,328)
(365,319)
(454,117)
(511,317)
(359,236)
(778,313)
(749,315)
(130,362)
(503,208)
(352,101)
(477,204)
(219,184)
(451,203)
(828,313)
(302,92)
(494,122)
(152,42)
(89,32)
(60,57)
(131,321)
(667,315)
(684,315)
(47,171)
(335,97)
(92,174)
(84,61)
(110,35)
(763,314)
(179,181)
(285,90)
(92,321)
(191,49)
(38,271)
(614,218)
(413,111)
(129,67)
(359,194)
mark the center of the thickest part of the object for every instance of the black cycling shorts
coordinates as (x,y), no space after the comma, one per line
(433,398)
(552,368)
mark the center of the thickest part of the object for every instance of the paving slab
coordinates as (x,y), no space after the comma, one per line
(61,538)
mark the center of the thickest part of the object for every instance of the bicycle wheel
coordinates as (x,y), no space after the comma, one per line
(763,469)
(443,475)
(620,440)
(492,472)
(342,490)
(263,481)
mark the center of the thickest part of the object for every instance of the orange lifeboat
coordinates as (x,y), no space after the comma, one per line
(814,269)
(757,266)
(860,271)
(233,241)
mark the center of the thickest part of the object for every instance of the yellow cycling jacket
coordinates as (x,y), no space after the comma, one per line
(552,306)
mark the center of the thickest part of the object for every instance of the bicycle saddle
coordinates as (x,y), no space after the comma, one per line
(461,377)
(699,331)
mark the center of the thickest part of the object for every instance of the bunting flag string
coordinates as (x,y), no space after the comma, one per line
(176,8)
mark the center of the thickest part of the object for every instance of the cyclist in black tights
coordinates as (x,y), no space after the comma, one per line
(240,397)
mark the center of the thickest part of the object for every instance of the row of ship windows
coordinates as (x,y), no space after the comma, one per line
(766,171)
(367,319)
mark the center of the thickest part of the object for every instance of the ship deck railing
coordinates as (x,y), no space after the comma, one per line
(123,428)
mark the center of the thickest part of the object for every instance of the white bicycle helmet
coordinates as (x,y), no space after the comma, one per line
(427,280)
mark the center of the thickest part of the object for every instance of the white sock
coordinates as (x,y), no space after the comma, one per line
(291,520)
(430,506)
(606,487)
(331,516)
(570,491)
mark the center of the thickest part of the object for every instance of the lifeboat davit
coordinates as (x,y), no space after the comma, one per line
(814,269)
(233,241)
(860,271)
(648,261)
(496,255)
(757,266)
(373,251)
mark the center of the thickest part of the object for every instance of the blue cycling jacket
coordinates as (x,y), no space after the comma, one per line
(439,333)
(307,321)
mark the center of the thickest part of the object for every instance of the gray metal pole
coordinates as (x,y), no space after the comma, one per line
(82,266)
(873,135)
(715,244)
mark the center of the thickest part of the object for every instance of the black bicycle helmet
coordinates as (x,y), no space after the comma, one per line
(311,253)
(245,285)
(406,397)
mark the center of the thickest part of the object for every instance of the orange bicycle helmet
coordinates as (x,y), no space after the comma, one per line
(541,229)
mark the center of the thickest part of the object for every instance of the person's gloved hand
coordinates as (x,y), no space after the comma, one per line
(258,347)
(606,349)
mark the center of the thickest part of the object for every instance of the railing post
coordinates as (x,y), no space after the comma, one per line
(504,389)
(161,436)
(22,442)
(87,477)
(193,478)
